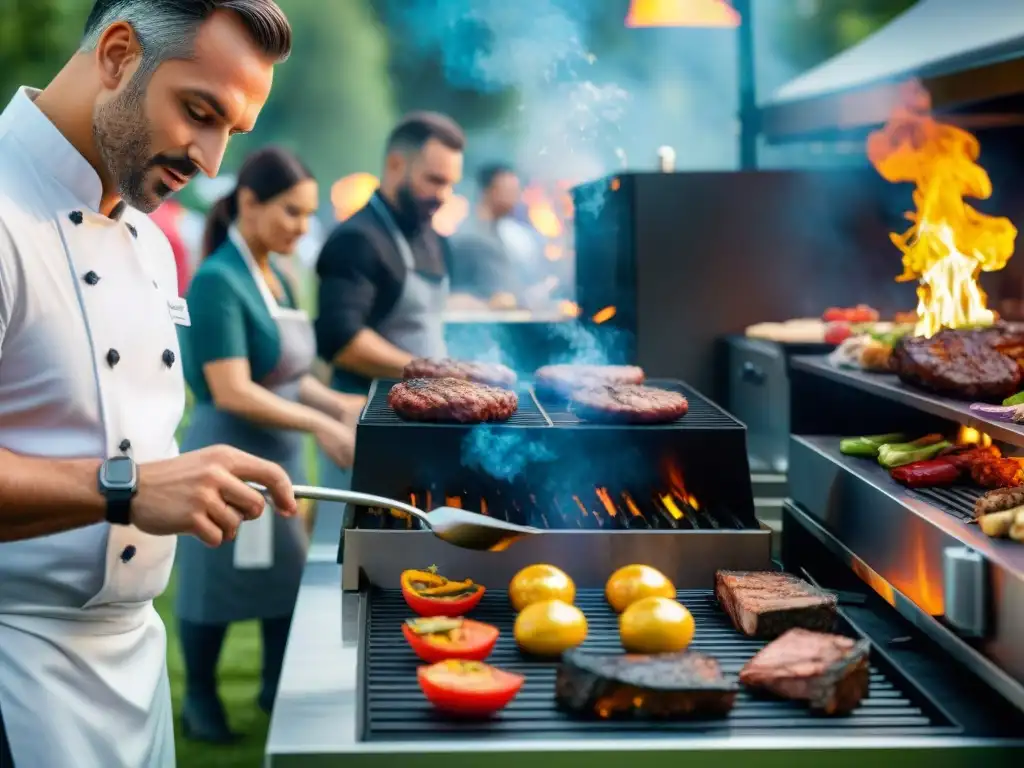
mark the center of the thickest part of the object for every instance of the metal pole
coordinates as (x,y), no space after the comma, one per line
(747,86)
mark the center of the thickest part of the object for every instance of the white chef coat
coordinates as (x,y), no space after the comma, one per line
(89,366)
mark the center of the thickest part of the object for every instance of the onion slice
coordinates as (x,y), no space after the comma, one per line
(1014,413)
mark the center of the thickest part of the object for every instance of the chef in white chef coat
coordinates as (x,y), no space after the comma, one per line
(92,490)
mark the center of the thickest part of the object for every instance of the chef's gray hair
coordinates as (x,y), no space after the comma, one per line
(166,29)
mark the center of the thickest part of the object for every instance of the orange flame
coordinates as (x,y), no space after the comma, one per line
(351,193)
(569,309)
(450,215)
(541,212)
(971,436)
(675,482)
(604,315)
(950,243)
(682,13)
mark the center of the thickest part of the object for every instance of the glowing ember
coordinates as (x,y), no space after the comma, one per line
(450,215)
(971,436)
(569,309)
(950,243)
(670,505)
(351,193)
(682,13)
(606,500)
(604,315)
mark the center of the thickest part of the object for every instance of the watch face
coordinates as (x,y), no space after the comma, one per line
(119,472)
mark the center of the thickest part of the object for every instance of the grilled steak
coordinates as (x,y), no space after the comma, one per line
(961,364)
(451,400)
(563,380)
(686,684)
(630,403)
(767,604)
(999,500)
(483,373)
(830,672)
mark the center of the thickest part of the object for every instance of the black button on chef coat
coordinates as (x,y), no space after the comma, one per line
(91,277)
(76,217)
(113,357)
(125,445)
(127,553)
(168,358)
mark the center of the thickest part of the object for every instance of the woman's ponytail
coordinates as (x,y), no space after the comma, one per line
(218,221)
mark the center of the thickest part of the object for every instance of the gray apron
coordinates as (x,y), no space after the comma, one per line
(211,588)
(415,324)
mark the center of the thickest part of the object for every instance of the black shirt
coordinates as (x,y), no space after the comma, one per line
(361,278)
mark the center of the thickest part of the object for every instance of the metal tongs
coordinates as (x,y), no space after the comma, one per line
(460,527)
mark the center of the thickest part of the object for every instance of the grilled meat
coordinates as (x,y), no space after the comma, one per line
(686,684)
(629,403)
(998,473)
(963,457)
(451,400)
(563,380)
(999,500)
(960,364)
(445,368)
(767,603)
(830,672)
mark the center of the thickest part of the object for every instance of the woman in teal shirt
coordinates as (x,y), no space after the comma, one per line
(247,359)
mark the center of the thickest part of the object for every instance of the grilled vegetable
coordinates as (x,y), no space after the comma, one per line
(927,474)
(635,582)
(924,448)
(1017,399)
(549,628)
(442,638)
(537,583)
(998,524)
(468,688)
(867,446)
(1014,413)
(430,594)
(656,625)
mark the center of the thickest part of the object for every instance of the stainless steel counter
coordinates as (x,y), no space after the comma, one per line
(317,716)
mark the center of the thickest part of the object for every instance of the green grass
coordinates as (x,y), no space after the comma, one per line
(239,684)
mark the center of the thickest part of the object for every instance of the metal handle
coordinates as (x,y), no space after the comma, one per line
(752,374)
(964,586)
(349,497)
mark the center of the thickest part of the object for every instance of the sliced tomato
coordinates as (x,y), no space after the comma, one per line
(834,314)
(469,688)
(837,333)
(431,595)
(468,640)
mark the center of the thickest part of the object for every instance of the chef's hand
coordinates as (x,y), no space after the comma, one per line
(204,493)
(338,441)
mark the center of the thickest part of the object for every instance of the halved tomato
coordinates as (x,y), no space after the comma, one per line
(469,688)
(441,638)
(430,594)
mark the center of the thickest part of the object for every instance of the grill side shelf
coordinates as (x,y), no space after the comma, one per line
(397,711)
(889,386)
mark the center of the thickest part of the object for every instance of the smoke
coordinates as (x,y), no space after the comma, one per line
(502,453)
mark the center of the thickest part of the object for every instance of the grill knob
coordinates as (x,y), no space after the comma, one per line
(965,591)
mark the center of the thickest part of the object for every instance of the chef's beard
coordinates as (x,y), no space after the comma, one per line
(414,209)
(124,143)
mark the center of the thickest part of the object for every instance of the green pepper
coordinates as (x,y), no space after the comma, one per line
(1017,399)
(890,456)
(868,445)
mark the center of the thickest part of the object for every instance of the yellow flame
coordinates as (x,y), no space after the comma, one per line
(569,309)
(949,243)
(604,315)
(670,505)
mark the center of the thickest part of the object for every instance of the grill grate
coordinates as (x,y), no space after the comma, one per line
(377,410)
(546,412)
(395,709)
(957,500)
(586,510)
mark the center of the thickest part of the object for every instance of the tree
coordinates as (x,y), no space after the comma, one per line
(36,38)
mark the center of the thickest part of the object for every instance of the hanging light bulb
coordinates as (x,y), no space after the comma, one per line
(682,13)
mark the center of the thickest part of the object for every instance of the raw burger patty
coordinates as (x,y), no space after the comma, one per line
(631,403)
(445,368)
(830,672)
(451,400)
(563,380)
(767,603)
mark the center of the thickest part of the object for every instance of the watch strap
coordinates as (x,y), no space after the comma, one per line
(119,509)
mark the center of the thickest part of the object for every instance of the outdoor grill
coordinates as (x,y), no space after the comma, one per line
(676,496)
(919,549)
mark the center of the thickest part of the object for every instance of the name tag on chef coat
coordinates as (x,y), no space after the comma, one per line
(178,308)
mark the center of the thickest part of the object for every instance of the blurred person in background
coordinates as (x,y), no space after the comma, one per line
(383,275)
(168,217)
(247,358)
(495,259)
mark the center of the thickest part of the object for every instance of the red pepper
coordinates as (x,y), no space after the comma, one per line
(927,474)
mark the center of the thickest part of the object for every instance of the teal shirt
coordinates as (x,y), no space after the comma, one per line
(229,319)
